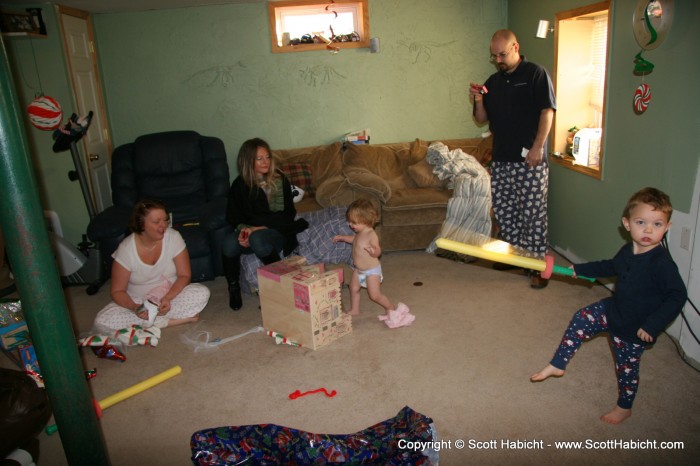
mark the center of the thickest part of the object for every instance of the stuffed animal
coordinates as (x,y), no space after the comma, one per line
(298,193)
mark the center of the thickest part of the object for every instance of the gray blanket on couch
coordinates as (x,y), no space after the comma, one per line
(469,208)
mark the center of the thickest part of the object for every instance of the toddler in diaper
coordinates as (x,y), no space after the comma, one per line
(362,216)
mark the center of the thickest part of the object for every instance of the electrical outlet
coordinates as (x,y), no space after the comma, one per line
(685,238)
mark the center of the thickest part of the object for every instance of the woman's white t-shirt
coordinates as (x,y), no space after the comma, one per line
(144,277)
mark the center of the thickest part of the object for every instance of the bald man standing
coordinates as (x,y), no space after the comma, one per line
(518,102)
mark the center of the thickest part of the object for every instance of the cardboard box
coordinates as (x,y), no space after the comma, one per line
(28,358)
(303,302)
(14,335)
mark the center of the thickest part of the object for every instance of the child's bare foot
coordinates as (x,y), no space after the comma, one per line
(549,371)
(354,312)
(616,416)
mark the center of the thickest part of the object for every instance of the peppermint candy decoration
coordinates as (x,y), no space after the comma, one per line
(642,97)
(45,113)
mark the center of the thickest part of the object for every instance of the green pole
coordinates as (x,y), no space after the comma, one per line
(39,286)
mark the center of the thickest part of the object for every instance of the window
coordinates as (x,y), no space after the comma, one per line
(302,25)
(581,37)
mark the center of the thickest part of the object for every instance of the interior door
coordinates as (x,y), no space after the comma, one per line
(691,329)
(82,64)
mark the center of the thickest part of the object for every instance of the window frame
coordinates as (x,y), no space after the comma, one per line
(363,13)
(563,159)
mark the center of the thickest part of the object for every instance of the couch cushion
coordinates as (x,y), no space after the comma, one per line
(324,161)
(422,174)
(334,191)
(340,191)
(419,149)
(388,161)
(299,174)
(364,181)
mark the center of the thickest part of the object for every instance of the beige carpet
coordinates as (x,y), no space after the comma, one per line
(465,362)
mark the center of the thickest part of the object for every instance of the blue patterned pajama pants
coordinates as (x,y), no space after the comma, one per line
(520,204)
(589,322)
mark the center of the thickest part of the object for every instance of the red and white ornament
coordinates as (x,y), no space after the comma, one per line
(45,113)
(642,97)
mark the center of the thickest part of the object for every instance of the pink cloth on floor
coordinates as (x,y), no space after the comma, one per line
(399,317)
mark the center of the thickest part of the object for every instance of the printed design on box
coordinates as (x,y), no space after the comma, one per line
(333,330)
(321,289)
(343,325)
(304,304)
(13,328)
(28,357)
(15,340)
(291,264)
(15,335)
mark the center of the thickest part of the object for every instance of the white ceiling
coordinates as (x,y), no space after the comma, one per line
(111,6)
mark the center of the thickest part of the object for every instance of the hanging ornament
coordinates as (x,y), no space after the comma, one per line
(333,49)
(642,66)
(642,97)
(45,113)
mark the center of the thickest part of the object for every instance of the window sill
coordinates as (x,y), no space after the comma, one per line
(566,161)
(35,35)
(311,47)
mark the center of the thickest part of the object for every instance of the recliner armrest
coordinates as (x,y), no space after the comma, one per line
(213,214)
(111,222)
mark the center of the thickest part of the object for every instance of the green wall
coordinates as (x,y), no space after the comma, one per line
(211,69)
(658,148)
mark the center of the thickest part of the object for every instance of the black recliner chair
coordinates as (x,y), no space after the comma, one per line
(186,171)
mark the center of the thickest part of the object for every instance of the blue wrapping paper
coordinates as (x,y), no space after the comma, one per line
(270,444)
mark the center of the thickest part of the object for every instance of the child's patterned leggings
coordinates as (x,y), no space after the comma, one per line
(589,322)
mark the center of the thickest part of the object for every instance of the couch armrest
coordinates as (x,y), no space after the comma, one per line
(110,223)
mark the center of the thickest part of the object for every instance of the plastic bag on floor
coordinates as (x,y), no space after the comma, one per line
(270,444)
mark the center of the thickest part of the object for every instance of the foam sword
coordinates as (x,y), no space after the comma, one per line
(546,267)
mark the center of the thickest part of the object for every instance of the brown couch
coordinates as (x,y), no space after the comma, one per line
(412,200)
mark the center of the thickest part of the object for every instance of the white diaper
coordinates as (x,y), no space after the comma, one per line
(362,275)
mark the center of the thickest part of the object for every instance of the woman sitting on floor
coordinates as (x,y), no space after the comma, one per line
(152,264)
